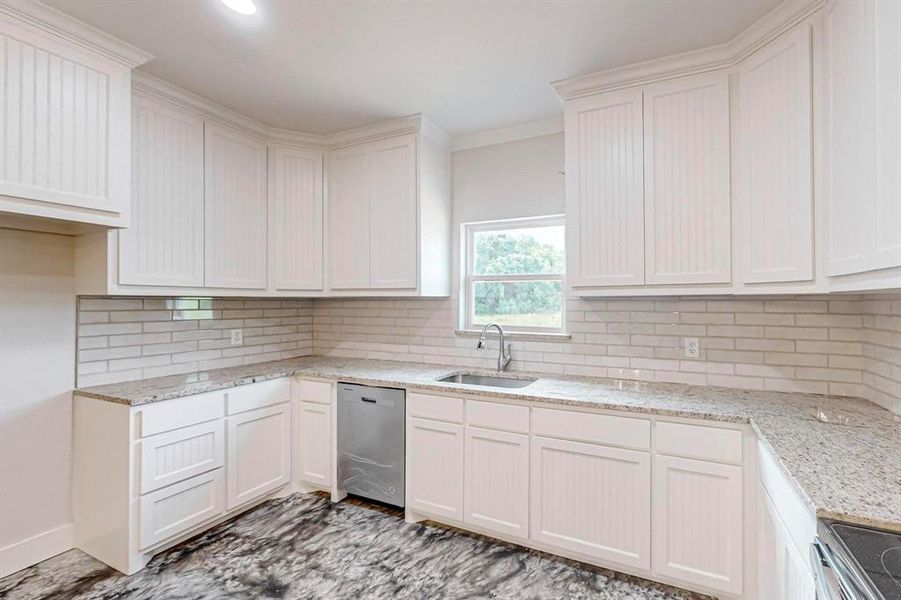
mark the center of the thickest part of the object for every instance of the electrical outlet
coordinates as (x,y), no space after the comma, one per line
(237,337)
(692,348)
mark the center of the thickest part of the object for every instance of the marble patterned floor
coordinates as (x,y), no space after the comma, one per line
(305,547)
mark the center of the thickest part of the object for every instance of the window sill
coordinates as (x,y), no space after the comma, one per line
(532,336)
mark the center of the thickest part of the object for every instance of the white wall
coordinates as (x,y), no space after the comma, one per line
(506,181)
(37,374)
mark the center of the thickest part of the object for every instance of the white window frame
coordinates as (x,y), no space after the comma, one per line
(469,278)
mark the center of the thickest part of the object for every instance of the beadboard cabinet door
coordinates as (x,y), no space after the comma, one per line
(687,180)
(393,219)
(773,153)
(604,190)
(592,499)
(435,468)
(782,572)
(348,218)
(295,218)
(164,245)
(496,486)
(316,443)
(235,209)
(697,532)
(64,126)
(863,135)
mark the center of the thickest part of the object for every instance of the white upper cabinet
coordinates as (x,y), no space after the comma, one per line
(164,245)
(348,215)
(295,218)
(64,118)
(235,209)
(687,180)
(604,190)
(388,225)
(863,136)
(773,162)
(393,219)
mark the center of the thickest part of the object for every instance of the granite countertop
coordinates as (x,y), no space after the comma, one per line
(848,469)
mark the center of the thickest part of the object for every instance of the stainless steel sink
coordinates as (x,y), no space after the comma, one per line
(487,380)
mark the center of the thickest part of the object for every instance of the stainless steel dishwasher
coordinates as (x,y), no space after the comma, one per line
(371,442)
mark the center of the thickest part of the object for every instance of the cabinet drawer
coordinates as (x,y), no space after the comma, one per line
(588,427)
(698,441)
(257,395)
(178,508)
(181,412)
(439,408)
(174,456)
(494,415)
(314,391)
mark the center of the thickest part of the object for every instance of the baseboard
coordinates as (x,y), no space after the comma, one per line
(35,549)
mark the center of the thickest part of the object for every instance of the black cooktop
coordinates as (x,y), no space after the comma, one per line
(877,553)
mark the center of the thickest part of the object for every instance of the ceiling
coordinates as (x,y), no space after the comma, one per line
(324,66)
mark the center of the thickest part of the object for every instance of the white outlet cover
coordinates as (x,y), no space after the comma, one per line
(237,337)
(692,347)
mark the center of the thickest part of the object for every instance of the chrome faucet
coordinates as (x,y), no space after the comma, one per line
(503,357)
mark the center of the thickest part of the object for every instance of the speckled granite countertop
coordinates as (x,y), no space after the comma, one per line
(848,470)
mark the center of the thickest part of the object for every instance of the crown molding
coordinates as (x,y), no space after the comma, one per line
(375,131)
(59,25)
(713,58)
(523,131)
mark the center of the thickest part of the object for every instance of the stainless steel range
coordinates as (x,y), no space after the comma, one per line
(851,562)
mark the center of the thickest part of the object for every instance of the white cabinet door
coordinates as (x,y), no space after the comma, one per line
(393,231)
(687,180)
(348,218)
(782,572)
(698,522)
(590,499)
(887,238)
(164,245)
(773,153)
(295,218)
(435,468)
(496,488)
(64,127)
(316,443)
(850,130)
(605,191)
(178,508)
(235,209)
(259,452)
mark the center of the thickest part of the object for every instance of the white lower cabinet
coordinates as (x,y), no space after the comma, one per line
(435,468)
(259,452)
(316,443)
(698,522)
(180,507)
(496,481)
(592,499)
(782,571)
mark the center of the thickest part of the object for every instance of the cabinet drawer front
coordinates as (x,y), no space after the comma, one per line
(177,455)
(799,519)
(439,408)
(587,427)
(178,508)
(494,415)
(314,391)
(181,412)
(257,395)
(698,441)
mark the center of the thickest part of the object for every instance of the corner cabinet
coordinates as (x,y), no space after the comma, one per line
(388,226)
(64,121)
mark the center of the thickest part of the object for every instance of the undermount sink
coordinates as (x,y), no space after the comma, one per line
(487,380)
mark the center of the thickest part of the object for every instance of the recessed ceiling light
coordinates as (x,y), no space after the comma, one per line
(244,7)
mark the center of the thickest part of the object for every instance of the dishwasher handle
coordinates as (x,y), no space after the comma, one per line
(370,400)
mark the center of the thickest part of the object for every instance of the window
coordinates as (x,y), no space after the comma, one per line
(514,274)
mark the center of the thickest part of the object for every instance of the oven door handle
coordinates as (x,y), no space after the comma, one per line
(821,556)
